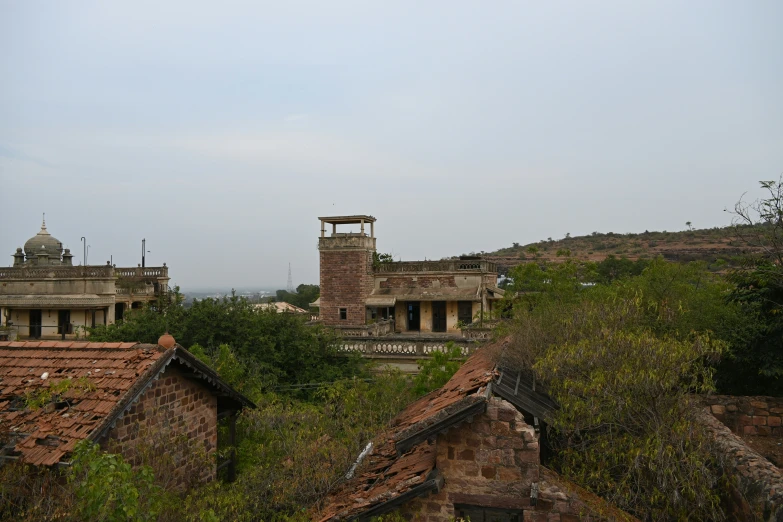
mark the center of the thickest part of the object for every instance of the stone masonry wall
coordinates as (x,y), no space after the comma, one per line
(492,462)
(760,481)
(346,281)
(173,428)
(748,415)
(418,281)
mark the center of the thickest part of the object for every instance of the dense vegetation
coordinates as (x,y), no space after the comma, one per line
(624,352)
(316,411)
(622,345)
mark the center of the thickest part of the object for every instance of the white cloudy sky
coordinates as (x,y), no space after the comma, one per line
(219,131)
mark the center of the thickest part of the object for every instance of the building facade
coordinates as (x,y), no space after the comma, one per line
(44,296)
(154,404)
(358,289)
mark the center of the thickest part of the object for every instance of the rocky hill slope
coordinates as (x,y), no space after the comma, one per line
(715,246)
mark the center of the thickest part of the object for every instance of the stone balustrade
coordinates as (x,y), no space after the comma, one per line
(146,272)
(477,265)
(414,348)
(56,272)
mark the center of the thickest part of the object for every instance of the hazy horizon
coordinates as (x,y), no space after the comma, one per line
(221,132)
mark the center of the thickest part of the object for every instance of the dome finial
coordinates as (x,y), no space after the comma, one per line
(43,225)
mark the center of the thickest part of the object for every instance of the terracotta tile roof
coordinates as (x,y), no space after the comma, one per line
(106,378)
(384,475)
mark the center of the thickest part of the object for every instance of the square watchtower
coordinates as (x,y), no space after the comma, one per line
(346,270)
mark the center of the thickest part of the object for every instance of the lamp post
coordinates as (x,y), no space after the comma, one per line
(84,245)
(143,248)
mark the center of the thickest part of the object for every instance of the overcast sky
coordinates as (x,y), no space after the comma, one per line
(220,131)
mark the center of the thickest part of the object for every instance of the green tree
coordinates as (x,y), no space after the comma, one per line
(107,488)
(436,371)
(757,366)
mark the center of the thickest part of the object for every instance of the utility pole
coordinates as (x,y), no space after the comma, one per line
(143,249)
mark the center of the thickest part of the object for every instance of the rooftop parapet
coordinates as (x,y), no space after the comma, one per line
(472,265)
(57,272)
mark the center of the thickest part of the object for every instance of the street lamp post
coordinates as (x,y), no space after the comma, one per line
(84,245)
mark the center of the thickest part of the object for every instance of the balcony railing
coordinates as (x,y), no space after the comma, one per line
(56,272)
(146,272)
(413,348)
(477,265)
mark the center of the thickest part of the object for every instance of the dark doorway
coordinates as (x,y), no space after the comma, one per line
(35,324)
(414,316)
(119,309)
(465,312)
(439,316)
(64,322)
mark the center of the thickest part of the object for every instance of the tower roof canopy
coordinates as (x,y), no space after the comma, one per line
(347,220)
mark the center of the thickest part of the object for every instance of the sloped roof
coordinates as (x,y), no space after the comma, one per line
(402,464)
(106,379)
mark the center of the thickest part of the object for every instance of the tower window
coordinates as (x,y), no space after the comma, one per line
(343,314)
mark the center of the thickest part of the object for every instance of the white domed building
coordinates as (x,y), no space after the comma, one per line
(44,296)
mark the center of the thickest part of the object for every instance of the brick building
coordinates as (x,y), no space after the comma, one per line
(419,296)
(144,401)
(465,450)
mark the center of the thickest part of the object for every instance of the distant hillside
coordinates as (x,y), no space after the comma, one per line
(714,246)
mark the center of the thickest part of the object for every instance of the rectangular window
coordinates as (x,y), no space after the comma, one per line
(343,314)
(465,312)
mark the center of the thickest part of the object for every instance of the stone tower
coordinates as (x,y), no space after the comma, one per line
(346,270)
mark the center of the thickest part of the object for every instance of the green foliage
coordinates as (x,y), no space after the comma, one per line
(758,288)
(436,371)
(380,258)
(304,295)
(274,348)
(622,360)
(40,397)
(107,488)
(293,452)
(624,419)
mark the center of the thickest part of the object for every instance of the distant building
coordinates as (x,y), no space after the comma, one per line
(420,296)
(281,307)
(43,296)
(118,395)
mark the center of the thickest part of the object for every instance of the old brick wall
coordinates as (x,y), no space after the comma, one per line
(748,415)
(173,428)
(760,481)
(346,281)
(492,462)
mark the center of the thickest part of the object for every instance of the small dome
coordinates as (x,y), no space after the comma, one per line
(166,341)
(43,242)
